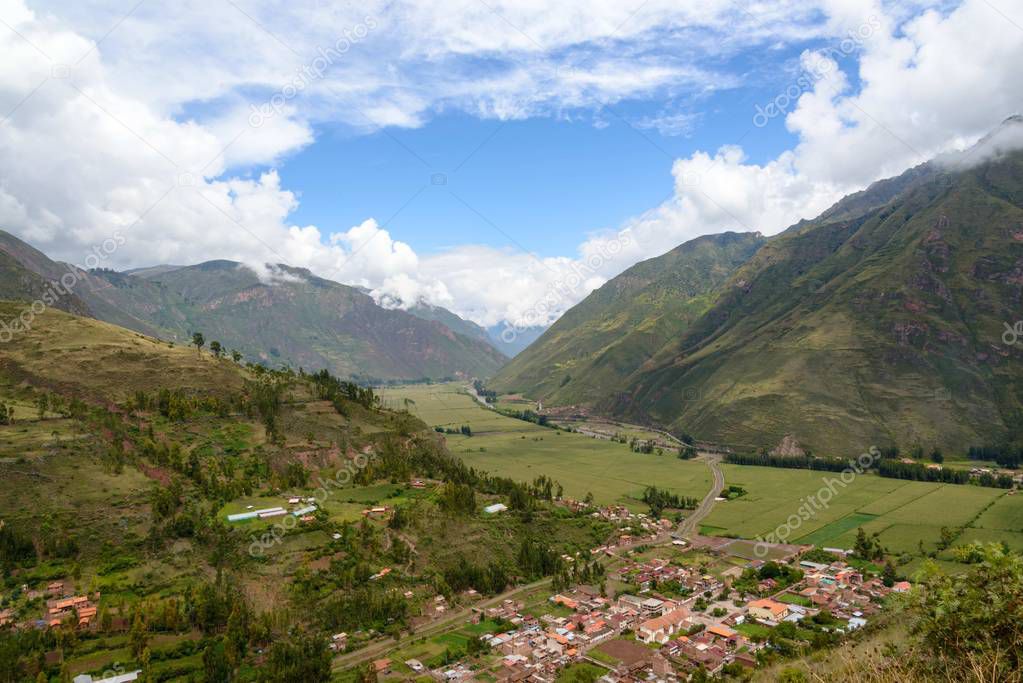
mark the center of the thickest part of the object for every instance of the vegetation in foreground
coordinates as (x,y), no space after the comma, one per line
(115,546)
(951,628)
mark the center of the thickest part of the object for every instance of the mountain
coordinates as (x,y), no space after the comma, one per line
(513,341)
(880,322)
(453,322)
(598,344)
(20,283)
(295,318)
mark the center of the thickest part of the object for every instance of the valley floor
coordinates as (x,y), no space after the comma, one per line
(909,516)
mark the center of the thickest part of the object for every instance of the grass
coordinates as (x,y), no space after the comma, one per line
(826,535)
(524,451)
(1006,515)
(30,438)
(754,631)
(793,599)
(601,656)
(903,513)
(580,673)
(102,361)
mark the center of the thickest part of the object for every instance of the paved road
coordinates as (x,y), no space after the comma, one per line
(691,524)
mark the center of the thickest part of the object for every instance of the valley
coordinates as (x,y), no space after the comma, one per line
(908,516)
(196,509)
(511,342)
(180,509)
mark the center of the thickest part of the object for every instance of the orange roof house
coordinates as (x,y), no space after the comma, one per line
(560,599)
(660,629)
(768,610)
(721,631)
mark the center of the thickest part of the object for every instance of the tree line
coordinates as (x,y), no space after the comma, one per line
(797,462)
(659,499)
(918,472)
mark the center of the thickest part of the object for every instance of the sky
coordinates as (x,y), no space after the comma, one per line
(498,158)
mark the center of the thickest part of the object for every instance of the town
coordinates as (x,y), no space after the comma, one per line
(666,610)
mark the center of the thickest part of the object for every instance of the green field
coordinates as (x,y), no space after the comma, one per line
(523,450)
(904,513)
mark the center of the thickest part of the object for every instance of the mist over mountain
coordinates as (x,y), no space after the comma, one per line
(294,319)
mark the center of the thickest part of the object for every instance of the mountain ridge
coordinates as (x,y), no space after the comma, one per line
(879,322)
(298,319)
(608,335)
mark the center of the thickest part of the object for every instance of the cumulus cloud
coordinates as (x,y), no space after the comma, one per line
(149,133)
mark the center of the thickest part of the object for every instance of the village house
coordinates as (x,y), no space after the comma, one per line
(119,678)
(768,610)
(660,629)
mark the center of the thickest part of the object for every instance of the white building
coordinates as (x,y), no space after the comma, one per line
(120,678)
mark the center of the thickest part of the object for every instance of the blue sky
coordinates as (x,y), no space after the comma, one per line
(574,139)
(546,181)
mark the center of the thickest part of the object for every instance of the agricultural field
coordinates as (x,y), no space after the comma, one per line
(523,450)
(904,513)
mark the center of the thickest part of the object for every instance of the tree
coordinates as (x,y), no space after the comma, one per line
(299,659)
(145,661)
(970,621)
(866,547)
(888,574)
(947,538)
(791,675)
(236,356)
(215,664)
(237,633)
(367,674)
(216,349)
(937,457)
(198,341)
(138,637)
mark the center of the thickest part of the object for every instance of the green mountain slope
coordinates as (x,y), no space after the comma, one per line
(453,322)
(314,322)
(297,319)
(879,323)
(21,284)
(596,345)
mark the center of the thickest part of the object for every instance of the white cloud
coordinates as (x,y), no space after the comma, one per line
(147,131)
